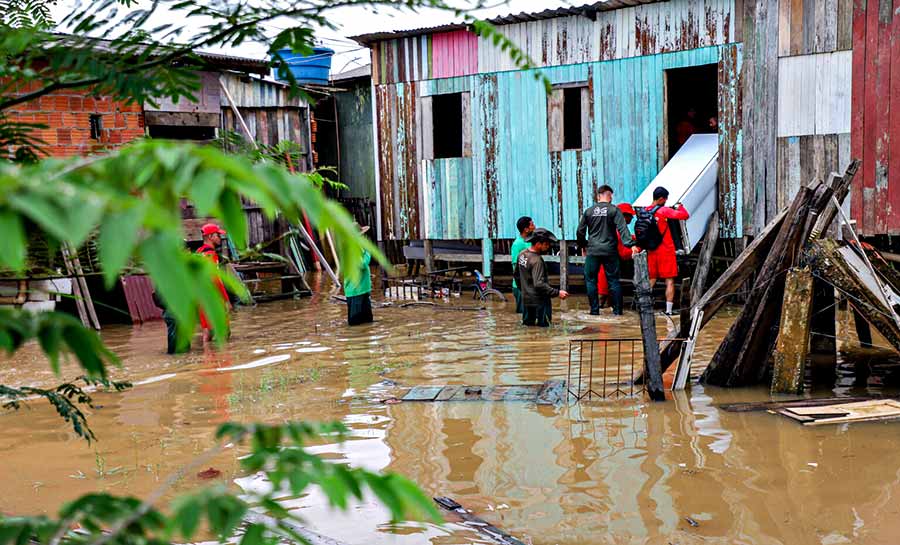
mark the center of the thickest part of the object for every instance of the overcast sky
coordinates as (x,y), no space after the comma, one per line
(353,21)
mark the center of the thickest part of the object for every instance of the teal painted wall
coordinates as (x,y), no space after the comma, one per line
(512,172)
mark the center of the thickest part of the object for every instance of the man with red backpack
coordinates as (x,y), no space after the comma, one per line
(653,234)
(625,254)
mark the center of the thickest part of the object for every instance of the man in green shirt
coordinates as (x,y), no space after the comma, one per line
(525,226)
(359,302)
(536,290)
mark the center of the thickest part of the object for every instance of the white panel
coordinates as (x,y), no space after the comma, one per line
(690,177)
(814,94)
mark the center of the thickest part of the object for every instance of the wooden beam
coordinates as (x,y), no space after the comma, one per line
(182,119)
(429,256)
(652,367)
(563,265)
(705,259)
(793,335)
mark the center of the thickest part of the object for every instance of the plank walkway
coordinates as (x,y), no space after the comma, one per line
(550,392)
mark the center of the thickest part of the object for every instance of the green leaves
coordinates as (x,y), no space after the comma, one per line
(118,236)
(12,242)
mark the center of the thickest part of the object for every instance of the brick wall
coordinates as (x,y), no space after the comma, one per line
(67,114)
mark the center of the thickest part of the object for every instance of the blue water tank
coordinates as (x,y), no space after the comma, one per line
(306,68)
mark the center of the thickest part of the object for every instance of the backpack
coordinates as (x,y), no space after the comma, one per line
(646,230)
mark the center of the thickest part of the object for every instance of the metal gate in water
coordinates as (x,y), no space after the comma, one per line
(605,368)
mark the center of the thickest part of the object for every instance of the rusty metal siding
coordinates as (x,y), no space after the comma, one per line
(513,173)
(616,34)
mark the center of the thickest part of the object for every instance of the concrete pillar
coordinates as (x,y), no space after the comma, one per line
(487,256)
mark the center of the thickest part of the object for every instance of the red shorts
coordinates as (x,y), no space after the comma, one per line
(662,263)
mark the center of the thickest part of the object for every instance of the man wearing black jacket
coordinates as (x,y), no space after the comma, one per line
(599,244)
(532,273)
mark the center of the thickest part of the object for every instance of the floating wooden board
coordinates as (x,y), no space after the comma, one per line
(477,523)
(861,411)
(775,405)
(548,393)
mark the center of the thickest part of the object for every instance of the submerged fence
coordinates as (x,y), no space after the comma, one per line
(605,368)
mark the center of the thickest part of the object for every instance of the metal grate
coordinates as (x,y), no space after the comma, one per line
(605,368)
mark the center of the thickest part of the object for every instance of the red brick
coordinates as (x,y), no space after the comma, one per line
(64,136)
(76,104)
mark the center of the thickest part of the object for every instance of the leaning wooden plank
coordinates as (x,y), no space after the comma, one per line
(730,366)
(792,346)
(477,523)
(847,271)
(423,393)
(683,371)
(741,269)
(705,259)
(753,406)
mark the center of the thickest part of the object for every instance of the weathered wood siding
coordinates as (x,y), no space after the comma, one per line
(875,126)
(814,94)
(802,159)
(814,26)
(512,172)
(357,165)
(641,30)
(249,92)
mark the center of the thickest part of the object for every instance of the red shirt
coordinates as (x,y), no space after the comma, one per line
(211,253)
(662,215)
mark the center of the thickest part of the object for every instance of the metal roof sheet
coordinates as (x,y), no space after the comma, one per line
(586,10)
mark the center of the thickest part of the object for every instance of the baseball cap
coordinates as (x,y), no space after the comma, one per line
(626,208)
(542,235)
(211,228)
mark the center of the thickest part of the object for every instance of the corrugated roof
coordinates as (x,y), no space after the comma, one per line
(354,73)
(586,10)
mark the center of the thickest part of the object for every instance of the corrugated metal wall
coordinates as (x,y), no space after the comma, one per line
(357,166)
(512,173)
(616,34)
(875,126)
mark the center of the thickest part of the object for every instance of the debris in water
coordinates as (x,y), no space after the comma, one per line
(692,522)
(392,401)
(209,473)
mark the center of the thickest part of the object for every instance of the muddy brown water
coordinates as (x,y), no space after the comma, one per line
(623,471)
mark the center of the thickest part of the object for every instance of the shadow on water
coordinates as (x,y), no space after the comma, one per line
(623,471)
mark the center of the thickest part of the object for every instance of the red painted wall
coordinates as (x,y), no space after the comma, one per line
(875,124)
(454,54)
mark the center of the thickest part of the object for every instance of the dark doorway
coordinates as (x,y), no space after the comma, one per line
(447,124)
(692,103)
(572,118)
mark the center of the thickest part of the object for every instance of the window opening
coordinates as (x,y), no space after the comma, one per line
(96,121)
(573,118)
(447,125)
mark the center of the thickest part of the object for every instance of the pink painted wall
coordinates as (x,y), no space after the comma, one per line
(454,54)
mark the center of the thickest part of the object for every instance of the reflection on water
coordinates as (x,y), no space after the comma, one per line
(624,471)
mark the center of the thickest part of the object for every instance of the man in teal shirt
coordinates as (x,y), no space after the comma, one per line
(359,302)
(525,226)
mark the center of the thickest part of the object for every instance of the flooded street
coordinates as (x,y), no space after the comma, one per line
(619,471)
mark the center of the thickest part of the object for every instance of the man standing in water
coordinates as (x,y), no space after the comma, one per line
(597,238)
(536,290)
(652,230)
(212,239)
(525,226)
(359,301)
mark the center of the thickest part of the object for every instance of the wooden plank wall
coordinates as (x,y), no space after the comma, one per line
(875,202)
(814,26)
(814,94)
(760,113)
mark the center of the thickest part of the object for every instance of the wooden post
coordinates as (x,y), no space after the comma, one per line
(563,265)
(793,335)
(429,256)
(863,330)
(83,301)
(76,287)
(652,368)
(705,260)
(487,256)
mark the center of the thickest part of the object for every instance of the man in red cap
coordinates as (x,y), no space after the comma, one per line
(625,254)
(212,239)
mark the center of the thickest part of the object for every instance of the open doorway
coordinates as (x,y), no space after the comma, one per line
(692,104)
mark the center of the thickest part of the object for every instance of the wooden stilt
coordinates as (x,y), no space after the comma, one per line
(793,335)
(563,265)
(652,369)
(429,256)
(863,330)
(487,256)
